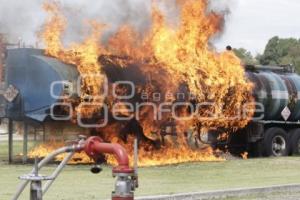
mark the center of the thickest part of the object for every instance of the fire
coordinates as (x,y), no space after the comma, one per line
(146,157)
(187,57)
(42,150)
(170,56)
(245,155)
(84,56)
(172,154)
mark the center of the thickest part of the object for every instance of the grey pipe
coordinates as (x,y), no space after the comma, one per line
(42,163)
(136,156)
(57,172)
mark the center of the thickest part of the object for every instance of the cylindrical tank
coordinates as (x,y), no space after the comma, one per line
(33,75)
(276,92)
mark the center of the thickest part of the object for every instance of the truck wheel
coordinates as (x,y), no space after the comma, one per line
(295,141)
(275,142)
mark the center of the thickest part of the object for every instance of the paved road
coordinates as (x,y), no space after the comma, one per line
(274,196)
(280,192)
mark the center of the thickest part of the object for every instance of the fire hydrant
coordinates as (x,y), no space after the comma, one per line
(126,177)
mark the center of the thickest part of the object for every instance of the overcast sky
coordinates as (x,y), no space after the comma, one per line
(250,25)
(253,22)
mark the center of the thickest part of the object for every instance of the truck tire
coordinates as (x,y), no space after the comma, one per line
(295,142)
(275,142)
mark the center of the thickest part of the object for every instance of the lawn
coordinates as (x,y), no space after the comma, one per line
(17,148)
(77,183)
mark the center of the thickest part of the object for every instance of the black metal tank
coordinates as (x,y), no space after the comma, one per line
(277,88)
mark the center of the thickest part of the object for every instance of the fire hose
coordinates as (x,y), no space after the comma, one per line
(126,177)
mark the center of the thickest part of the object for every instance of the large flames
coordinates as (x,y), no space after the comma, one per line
(169,56)
(147,156)
(84,56)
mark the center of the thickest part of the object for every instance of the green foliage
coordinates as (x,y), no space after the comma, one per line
(245,56)
(281,52)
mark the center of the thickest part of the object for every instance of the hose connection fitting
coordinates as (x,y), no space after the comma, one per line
(126,178)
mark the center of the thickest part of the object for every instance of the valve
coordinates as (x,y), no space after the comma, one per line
(126,177)
(78,143)
(96,169)
(124,186)
(82,137)
(36,191)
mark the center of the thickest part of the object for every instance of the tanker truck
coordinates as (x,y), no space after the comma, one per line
(274,130)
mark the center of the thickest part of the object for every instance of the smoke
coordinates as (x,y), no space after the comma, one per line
(111,13)
(24,19)
(20,19)
(221,6)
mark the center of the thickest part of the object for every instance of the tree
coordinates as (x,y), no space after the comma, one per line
(281,52)
(245,56)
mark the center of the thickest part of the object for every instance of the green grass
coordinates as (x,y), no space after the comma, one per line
(17,148)
(77,183)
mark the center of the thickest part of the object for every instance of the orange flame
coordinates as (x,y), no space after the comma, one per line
(245,155)
(84,55)
(147,155)
(171,56)
(167,155)
(41,151)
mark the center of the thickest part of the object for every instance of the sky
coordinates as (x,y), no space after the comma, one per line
(253,22)
(250,24)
